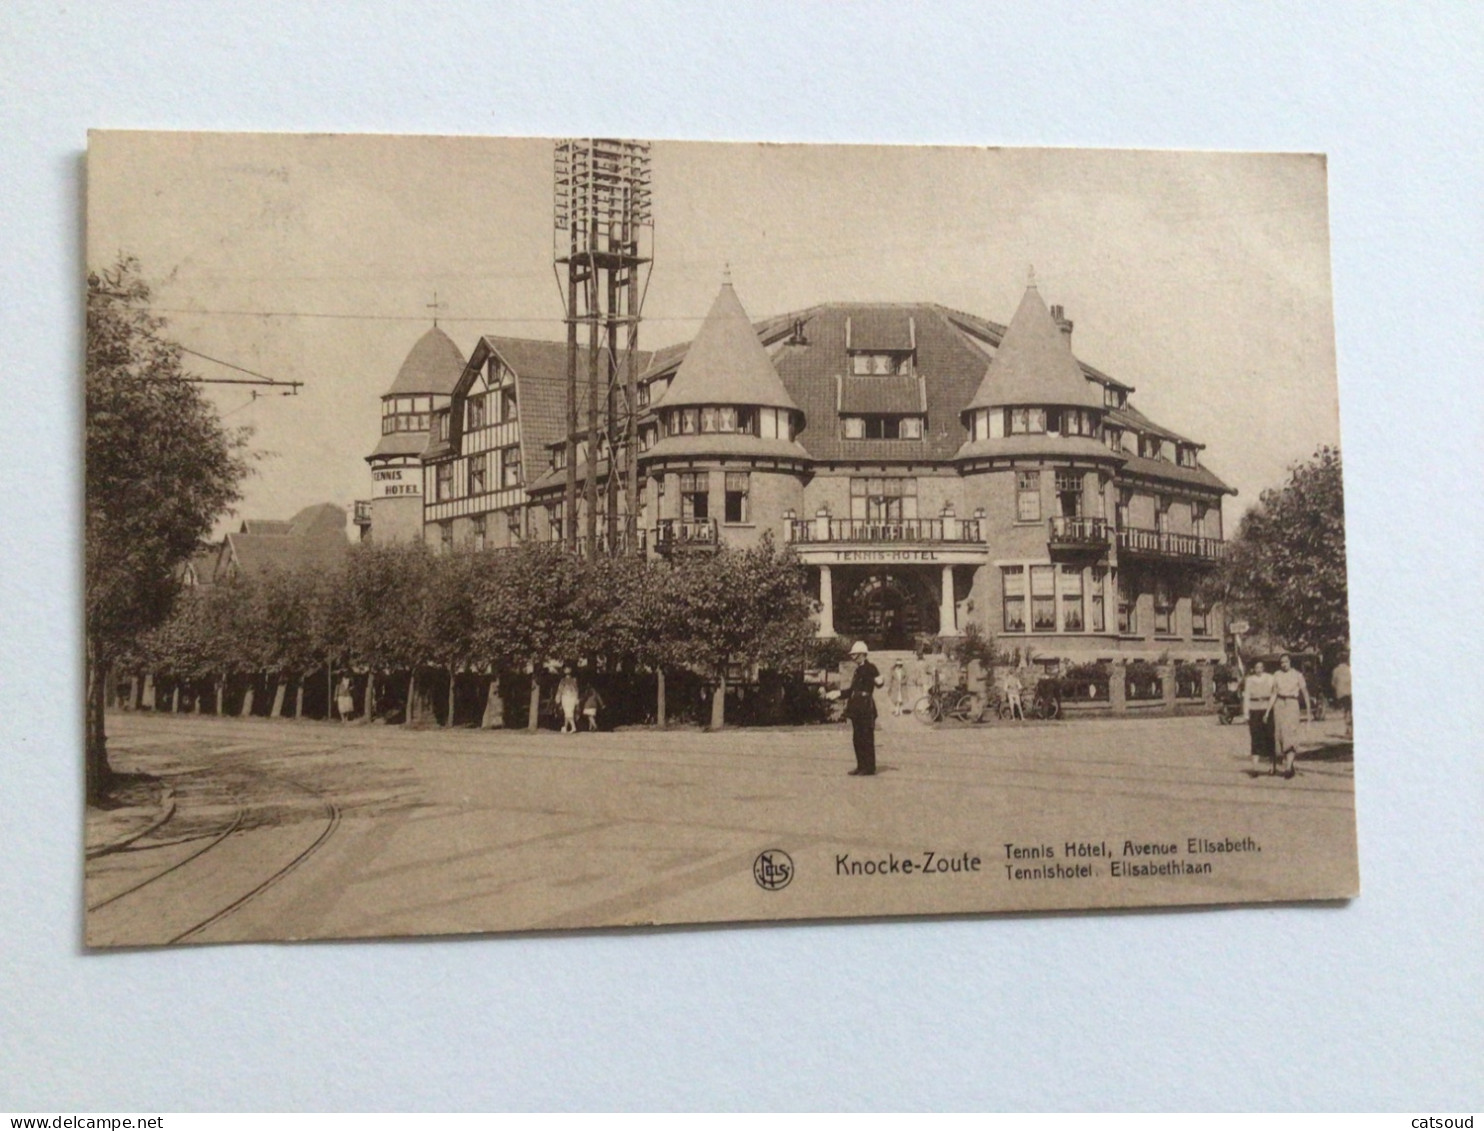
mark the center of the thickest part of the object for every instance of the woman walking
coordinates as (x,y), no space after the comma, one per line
(567,701)
(1288,688)
(1257,697)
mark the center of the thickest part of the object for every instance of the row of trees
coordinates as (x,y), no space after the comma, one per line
(402,613)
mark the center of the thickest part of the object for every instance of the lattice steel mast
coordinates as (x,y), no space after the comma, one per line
(604,239)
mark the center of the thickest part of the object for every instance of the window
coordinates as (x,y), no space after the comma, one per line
(1027,420)
(1125,500)
(855,427)
(1198,520)
(474,413)
(1112,397)
(1164,606)
(996,423)
(694,495)
(708,419)
(554,521)
(510,467)
(726,419)
(1012,580)
(685,421)
(886,427)
(880,364)
(508,406)
(445,535)
(1200,615)
(1071,422)
(643,396)
(1028,496)
(1186,455)
(443,483)
(1096,583)
(559,457)
(440,426)
(1043,598)
(1069,493)
(768,424)
(736,500)
(883,499)
(1128,604)
(1113,437)
(747,421)
(1162,514)
(1149,447)
(479,532)
(1071,598)
(477,465)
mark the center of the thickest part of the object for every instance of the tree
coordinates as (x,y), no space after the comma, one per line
(746,608)
(1285,570)
(445,627)
(531,612)
(160,469)
(380,610)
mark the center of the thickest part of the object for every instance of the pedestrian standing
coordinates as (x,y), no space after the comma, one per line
(897,687)
(343,701)
(1340,680)
(860,709)
(590,704)
(1013,689)
(1288,688)
(567,701)
(1257,697)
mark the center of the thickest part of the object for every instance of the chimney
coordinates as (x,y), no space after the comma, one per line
(1063,323)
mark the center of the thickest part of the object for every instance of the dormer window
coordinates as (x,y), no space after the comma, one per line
(643,396)
(474,413)
(881,364)
(559,457)
(1186,456)
(1150,447)
(880,427)
(1113,398)
(1113,437)
(440,426)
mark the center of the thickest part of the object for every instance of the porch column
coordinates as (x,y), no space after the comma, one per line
(826,602)
(947,610)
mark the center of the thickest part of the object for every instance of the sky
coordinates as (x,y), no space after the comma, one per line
(1203,279)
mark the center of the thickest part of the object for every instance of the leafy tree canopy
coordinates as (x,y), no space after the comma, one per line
(160,467)
(1285,570)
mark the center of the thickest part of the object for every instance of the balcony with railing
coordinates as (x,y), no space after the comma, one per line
(685,535)
(948,530)
(1137,542)
(1078,534)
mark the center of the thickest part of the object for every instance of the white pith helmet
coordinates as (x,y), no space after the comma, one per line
(859,648)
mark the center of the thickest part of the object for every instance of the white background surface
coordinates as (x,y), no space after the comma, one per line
(1378,1004)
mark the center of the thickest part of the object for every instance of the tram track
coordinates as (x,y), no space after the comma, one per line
(239,827)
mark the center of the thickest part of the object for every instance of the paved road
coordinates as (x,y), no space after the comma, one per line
(314,830)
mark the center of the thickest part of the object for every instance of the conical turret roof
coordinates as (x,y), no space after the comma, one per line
(1034,364)
(434,365)
(726,364)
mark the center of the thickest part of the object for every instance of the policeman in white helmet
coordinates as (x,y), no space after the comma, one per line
(860,709)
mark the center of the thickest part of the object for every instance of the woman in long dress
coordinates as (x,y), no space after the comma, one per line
(1288,688)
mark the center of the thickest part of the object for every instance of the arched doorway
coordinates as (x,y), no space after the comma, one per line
(887,609)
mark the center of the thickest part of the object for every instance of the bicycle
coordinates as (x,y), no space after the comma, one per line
(954,703)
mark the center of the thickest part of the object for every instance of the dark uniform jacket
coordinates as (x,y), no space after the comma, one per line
(862,701)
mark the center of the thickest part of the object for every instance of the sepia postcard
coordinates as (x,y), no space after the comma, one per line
(494,535)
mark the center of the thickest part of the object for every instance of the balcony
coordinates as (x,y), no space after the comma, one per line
(871,531)
(1078,534)
(361,515)
(1161,544)
(685,535)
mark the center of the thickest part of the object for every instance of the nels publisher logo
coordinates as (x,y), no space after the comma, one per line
(773,869)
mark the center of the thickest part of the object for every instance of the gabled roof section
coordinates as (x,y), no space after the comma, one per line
(434,365)
(727,364)
(313,539)
(1034,364)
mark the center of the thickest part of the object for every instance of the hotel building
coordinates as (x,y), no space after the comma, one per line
(930,468)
